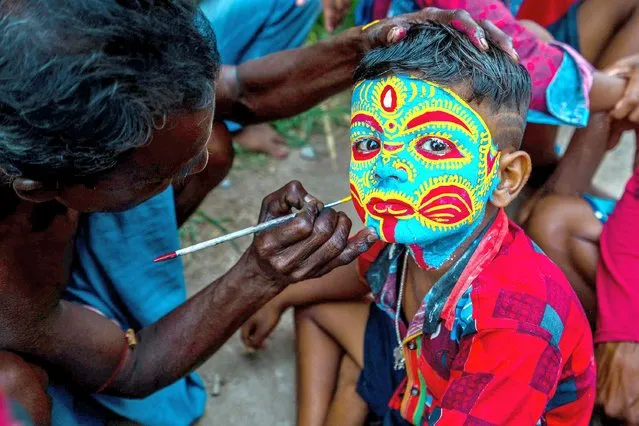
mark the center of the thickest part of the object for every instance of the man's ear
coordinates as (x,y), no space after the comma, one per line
(33,190)
(514,171)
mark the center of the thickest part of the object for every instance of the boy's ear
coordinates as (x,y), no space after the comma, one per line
(33,190)
(514,171)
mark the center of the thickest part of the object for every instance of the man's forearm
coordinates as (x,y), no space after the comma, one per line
(289,82)
(87,349)
(186,337)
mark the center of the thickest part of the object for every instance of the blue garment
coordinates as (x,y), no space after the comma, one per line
(378,379)
(113,272)
(602,208)
(250,29)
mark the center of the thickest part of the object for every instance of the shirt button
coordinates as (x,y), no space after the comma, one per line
(411,345)
(414,391)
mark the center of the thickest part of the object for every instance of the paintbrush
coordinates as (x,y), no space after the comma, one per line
(237,234)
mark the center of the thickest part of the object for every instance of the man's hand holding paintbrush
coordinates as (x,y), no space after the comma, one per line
(309,245)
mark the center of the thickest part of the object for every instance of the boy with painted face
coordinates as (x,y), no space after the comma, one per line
(472,323)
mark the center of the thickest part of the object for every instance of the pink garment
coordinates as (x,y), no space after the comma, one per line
(541,59)
(618,271)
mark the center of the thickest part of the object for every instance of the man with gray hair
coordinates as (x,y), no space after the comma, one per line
(106,128)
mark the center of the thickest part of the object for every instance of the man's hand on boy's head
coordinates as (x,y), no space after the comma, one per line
(393,30)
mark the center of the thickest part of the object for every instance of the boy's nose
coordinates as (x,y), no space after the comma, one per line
(386,172)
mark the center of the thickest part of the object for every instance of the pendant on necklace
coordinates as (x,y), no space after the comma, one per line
(398,355)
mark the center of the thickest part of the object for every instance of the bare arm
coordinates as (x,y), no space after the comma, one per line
(286,83)
(606,91)
(289,82)
(341,284)
(90,350)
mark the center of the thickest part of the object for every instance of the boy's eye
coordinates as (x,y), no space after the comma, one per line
(367,145)
(435,146)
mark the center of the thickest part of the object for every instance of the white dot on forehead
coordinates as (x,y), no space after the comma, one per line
(388,100)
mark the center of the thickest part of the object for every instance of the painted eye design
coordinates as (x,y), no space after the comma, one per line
(365,149)
(437,148)
(367,145)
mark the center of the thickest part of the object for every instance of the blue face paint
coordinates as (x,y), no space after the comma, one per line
(423,165)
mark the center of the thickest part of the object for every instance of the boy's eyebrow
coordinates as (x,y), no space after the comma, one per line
(368,119)
(436,116)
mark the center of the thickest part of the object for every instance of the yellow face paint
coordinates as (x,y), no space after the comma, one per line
(423,164)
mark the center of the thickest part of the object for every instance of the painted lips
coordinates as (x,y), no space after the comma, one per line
(446,204)
(389,208)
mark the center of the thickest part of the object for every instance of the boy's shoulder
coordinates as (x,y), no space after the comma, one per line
(522,289)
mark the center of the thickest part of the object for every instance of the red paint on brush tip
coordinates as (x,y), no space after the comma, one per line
(164,257)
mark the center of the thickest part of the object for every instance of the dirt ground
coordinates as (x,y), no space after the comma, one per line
(260,388)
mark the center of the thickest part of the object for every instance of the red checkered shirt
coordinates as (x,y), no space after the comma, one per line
(511,345)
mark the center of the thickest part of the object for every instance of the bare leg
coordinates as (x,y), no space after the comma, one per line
(568,232)
(26,384)
(322,338)
(318,359)
(348,408)
(614,35)
(262,138)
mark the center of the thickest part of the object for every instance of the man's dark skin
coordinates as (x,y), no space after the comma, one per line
(38,222)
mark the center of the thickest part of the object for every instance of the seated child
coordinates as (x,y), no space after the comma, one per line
(472,324)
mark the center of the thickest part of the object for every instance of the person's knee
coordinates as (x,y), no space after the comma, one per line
(349,373)
(308,312)
(26,384)
(548,219)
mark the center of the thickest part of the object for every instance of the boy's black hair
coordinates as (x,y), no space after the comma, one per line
(446,57)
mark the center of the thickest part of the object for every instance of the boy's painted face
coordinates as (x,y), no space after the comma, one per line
(423,165)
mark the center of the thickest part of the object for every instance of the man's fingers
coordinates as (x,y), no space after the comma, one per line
(463,22)
(280,202)
(355,247)
(503,40)
(330,249)
(301,227)
(396,34)
(294,260)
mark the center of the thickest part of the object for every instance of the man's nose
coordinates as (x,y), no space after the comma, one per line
(390,172)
